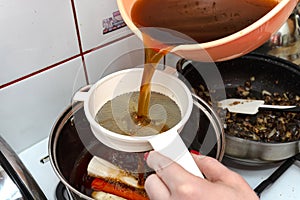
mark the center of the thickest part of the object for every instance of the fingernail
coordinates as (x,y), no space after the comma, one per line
(146,156)
(197,154)
(201,157)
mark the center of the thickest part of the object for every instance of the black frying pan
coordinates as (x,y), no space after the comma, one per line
(267,70)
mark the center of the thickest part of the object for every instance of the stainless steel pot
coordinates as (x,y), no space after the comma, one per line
(253,152)
(72,144)
(285,42)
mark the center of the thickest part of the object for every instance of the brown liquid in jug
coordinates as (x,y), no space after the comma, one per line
(202,20)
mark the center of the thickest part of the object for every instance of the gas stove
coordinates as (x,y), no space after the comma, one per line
(286,187)
(36,161)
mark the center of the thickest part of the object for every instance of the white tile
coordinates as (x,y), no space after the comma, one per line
(34,34)
(29,108)
(127,53)
(91,15)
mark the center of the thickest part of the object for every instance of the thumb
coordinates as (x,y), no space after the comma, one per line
(212,169)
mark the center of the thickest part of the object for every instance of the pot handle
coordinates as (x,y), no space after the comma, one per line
(82,94)
(19,174)
(171,145)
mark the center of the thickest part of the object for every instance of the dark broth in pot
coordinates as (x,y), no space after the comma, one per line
(83,182)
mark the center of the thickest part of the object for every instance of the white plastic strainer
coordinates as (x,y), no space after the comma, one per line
(168,143)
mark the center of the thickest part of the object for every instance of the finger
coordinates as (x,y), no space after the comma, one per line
(170,172)
(211,168)
(156,189)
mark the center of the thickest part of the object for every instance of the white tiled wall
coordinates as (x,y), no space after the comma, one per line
(124,54)
(91,14)
(42,64)
(29,108)
(34,34)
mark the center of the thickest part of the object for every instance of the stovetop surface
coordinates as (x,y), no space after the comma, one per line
(287,187)
(43,173)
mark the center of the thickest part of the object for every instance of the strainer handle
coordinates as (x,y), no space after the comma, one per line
(82,94)
(171,145)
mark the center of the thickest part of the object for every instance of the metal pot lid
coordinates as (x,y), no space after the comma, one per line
(72,143)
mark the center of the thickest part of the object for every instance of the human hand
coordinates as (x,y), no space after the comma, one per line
(171,181)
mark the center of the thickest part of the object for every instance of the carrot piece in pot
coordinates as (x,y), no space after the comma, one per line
(128,193)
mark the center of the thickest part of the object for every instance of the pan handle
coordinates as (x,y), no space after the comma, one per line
(294,109)
(19,174)
(276,174)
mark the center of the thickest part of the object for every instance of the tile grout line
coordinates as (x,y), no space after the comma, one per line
(61,62)
(81,54)
(38,72)
(108,43)
(79,41)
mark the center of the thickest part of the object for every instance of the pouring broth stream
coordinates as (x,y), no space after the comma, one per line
(196,21)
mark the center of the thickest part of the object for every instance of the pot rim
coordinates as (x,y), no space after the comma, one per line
(74,107)
(59,123)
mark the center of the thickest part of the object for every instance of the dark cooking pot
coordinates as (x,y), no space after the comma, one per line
(266,70)
(72,144)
